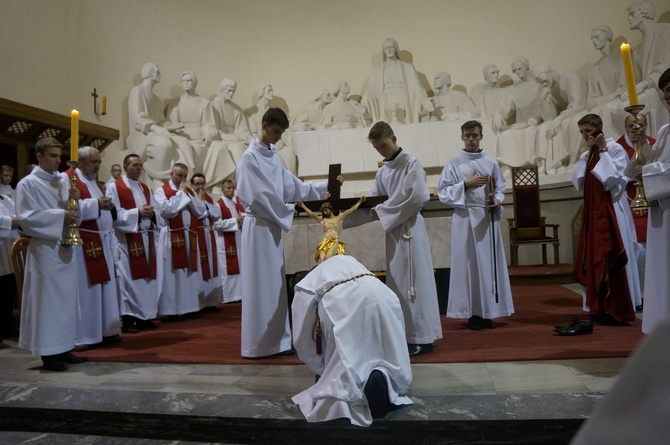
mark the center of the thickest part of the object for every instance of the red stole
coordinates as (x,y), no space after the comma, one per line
(180,258)
(139,266)
(232,262)
(94,255)
(601,258)
(202,244)
(640,221)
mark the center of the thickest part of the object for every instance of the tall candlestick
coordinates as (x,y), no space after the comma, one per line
(74,137)
(103,108)
(630,74)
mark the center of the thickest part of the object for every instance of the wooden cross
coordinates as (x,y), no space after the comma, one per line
(93,250)
(334,187)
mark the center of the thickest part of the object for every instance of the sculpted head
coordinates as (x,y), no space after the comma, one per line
(390,49)
(265,91)
(228,88)
(327,210)
(342,87)
(521,67)
(323,95)
(543,75)
(150,71)
(442,80)
(640,11)
(601,36)
(188,80)
(491,73)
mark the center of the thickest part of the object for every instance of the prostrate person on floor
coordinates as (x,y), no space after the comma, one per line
(349,329)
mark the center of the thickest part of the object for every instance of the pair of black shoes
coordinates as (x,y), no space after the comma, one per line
(59,362)
(575,327)
(477,323)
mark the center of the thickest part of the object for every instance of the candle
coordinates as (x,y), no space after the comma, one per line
(630,74)
(103,108)
(74,137)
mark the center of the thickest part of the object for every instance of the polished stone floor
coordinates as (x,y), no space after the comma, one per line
(137,403)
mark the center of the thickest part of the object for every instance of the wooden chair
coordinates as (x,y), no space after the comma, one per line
(18,254)
(528,226)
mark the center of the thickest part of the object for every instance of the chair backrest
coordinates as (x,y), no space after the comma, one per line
(526,195)
(18,254)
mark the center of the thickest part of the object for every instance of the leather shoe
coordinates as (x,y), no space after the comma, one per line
(475,323)
(129,324)
(288,352)
(377,393)
(487,323)
(54,363)
(72,359)
(576,327)
(575,319)
(417,350)
(146,324)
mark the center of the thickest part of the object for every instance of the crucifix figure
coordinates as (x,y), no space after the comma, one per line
(331,219)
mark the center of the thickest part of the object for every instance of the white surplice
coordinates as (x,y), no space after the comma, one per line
(409,271)
(362,329)
(137,298)
(656,178)
(472,286)
(210,292)
(232,284)
(265,187)
(98,303)
(7,234)
(610,172)
(179,289)
(50,287)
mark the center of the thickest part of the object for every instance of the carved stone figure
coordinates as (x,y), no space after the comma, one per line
(265,95)
(488,97)
(150,136)
(393,91)
(606,79)
(343,112)
(520,106)
(309,117)
(231,121)
(448,104)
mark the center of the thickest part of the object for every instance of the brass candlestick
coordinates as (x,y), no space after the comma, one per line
(639,205)
(73,237)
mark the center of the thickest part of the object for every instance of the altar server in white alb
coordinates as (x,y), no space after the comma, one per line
(181,210)
(408,258)
(229,233)
(656,178)
(136,266)
(267,189)
(8,234)
(50,288)
(98,302)
(209,293)
(476,274)
(349,330)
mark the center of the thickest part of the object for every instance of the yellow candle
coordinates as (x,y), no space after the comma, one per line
(74,137)
(630,74)
(103,108)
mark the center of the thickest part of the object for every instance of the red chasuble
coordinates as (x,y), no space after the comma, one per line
(180,258)
(601,258)
(640,221)
(232,263)
(94,256)
(139,266)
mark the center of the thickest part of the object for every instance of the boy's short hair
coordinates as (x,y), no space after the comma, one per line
(380,130)
(44,143)
(472,124)
(590,119)
(664,80)
(275,116)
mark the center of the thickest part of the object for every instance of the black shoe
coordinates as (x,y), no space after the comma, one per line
(72,359)
(576,327)
(475,323)
(288,352)
(111,339)
(576,319)
(487,323)
(377,392)
(417,350)
(54,363)
(639,308)
(129,324)
(209,309)
(146,324)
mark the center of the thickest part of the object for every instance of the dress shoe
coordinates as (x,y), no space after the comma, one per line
(111,339)
(72,359)
(575,319)
(288,352)
(576,327)
(81,348)
(146,324)
(475,323)
(129,324)
(487,323)
(417,350)
(54,363)
(377,392)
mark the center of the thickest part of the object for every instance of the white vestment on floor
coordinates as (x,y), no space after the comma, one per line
(138,298)
(409,271)
(656,177)
(232,284)
(98,303)
(179,288)
(210,293)
(265,187)
(610,172)
(362,330)
(472,286)
(50,290)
